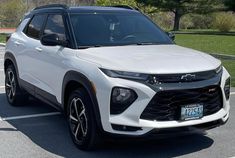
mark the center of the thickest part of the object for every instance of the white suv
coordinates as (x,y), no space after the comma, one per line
(112,70)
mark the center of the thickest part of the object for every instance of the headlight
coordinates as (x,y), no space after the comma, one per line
(219,69)
(121,99)
(227,88)
(125,75)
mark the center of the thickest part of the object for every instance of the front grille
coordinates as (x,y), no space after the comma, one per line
(176,78)
(166,105)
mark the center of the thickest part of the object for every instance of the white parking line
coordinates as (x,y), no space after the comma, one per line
(232,93)
(2,87)
(29,116)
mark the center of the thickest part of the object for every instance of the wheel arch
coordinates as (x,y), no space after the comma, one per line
(9,58)
(73,80)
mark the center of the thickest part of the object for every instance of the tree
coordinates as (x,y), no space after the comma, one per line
(11,12)
(230,4)
(182,7)
(132,3)
(116,2)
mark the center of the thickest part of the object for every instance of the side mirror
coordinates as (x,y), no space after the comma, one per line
(171,35)
(52,40)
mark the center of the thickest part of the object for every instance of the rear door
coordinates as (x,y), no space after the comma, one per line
(27,50)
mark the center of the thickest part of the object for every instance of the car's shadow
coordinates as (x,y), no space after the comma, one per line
(51,133)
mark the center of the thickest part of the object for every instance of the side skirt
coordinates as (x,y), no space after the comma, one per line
(40,94)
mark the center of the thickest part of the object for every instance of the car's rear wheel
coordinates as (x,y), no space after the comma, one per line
(15,95)
(82,125)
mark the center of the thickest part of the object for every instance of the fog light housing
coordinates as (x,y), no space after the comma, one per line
(121,99)
(125,128)
(227,88)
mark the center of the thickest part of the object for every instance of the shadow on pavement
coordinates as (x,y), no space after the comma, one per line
(33,106)
(51,133)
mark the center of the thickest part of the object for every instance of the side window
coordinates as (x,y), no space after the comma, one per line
(55,25)
(34,27)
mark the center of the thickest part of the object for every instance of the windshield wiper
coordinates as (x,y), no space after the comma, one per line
(140,43)
(86,47)
(147,43)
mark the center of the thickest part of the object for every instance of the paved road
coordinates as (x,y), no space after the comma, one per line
(47,136)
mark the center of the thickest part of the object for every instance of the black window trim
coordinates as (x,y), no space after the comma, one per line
(65,26)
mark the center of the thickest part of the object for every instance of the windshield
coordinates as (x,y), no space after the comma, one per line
(116,29)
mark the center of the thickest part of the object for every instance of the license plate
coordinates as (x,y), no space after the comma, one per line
(191,112)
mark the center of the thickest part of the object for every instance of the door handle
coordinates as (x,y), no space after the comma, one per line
(17,43)
(39,49)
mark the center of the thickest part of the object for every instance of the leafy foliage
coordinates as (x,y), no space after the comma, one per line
(182,7)
(197,21)
(146,9)
(224,22)
(116,2)
(11,12)
(185,6)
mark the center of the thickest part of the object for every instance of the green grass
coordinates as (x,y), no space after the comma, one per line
(230,66)
(220,44)
(206,31)
(2,38)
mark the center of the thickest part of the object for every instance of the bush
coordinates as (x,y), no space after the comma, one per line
(164,19)
(196,21)
(224,22)
(186,22)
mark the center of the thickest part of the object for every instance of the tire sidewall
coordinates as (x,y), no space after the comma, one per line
(88,141)
(11,68)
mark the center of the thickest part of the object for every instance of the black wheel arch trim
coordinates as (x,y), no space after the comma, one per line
(86,83)
(11,57)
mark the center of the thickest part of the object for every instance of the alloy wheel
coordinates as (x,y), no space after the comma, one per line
(10,85)
(78,119)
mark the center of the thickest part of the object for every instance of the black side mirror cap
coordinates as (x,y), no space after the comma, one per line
(171,35)
(52,40)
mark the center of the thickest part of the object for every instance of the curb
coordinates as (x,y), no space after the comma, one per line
(2,44)
(223,56)
(206,33)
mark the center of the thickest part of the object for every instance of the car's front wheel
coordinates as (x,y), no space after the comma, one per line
(82,125)
(15,95)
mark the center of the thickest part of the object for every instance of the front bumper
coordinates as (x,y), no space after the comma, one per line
(131,117)
(174,131)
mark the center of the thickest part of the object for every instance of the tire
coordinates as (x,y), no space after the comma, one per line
(82,126)
(15,95)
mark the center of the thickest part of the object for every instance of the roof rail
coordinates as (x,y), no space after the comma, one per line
(126,7)
(52,6)
(123,6)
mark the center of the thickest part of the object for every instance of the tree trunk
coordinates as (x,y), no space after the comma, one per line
(177,21)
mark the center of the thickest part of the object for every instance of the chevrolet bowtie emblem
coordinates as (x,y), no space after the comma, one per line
(188,77)
(212,90)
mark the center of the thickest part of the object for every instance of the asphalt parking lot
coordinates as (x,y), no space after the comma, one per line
(37,130)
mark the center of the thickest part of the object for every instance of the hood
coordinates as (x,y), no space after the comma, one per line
(152,59)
